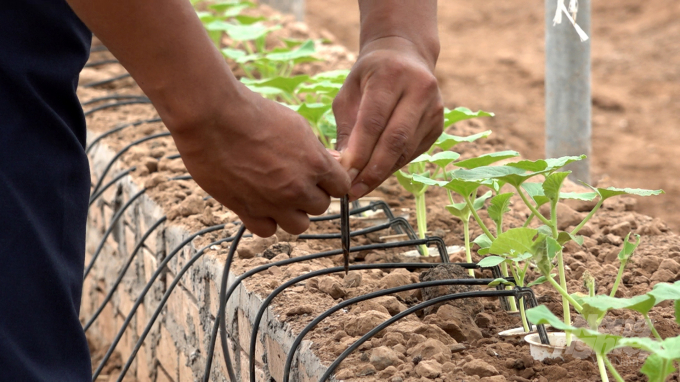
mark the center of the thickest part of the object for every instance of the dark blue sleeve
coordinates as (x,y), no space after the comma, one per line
(44,186)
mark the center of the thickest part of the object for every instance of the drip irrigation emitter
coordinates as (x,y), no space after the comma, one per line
(116,104)
(517,292)
(146,289)
(107,81)
(123,151)
(117,129)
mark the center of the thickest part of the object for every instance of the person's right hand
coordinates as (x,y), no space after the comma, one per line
(261,160)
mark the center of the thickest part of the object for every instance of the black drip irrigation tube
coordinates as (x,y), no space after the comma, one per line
(112,225)
(146,289)
(117,129)
(289,283)
(109,295)
(102,62)
(107,81)
(166,296)
(113,181)
(123,151)
(115,97)
(380,293)
(517,293)
(99,48)
(116,104)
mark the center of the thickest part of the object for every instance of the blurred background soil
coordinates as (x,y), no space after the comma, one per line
(492,58)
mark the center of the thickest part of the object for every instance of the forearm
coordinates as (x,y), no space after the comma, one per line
(412,20)
(167,51)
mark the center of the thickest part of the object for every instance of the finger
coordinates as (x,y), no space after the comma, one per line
(263,227)
(345,107)
(293,222)
(333,178)
(334,153)
(393,149)
(375,110)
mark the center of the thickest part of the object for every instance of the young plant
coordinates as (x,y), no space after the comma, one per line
(663,352)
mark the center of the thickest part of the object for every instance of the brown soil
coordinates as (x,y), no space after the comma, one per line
(492,58)
(460,339)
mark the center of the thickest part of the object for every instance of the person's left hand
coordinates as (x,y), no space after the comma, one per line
(388,112)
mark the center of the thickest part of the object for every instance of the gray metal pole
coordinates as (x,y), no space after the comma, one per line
(294,7)
(567,89)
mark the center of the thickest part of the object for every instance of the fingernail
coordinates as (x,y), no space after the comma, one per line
(358,190)
(353,172)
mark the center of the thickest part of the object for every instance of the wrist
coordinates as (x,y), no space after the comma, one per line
(411,22)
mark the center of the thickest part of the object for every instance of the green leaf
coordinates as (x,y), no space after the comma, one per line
(239,32)
(482,241)
(585,196)
(313,111)
(486,159)
(459,210)
(513,242)
(224,5)
(628,247)
(564,237)
(606,193)
(552,247)
(499,205)
(334,76)
(642,304)
(479,202)
(676,307)
(535,192)
(287,84)
(553,184)
(407,181)
(664,291)
(265,90)
(462,187)
(490,261)
(500,281)
(462,113)
(547,165)
(443,158)
(653,368)
(248,20)
(305,50)
(486,172)
(324,87)
(446,141)
(233,54)
(540,280)
(328,126)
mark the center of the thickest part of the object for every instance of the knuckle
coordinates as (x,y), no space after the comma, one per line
(397,140)
(293,189)
(375,124)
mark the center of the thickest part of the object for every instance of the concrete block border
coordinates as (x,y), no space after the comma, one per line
(175,349)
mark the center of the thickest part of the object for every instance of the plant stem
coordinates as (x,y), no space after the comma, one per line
(522,314)
(532,208)
(560,268)
(468,253)
(529,220)
(477,218)
(564,294)
(590,215)
(618,278)
(504,272)
(601,367)
(612,370)
(651,326)
(421,219)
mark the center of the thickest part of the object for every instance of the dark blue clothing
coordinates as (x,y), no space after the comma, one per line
(44,186)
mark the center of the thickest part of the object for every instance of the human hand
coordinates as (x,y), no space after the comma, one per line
(388,112)
(261,160)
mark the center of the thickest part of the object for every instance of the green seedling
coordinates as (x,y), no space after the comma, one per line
(663,352)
